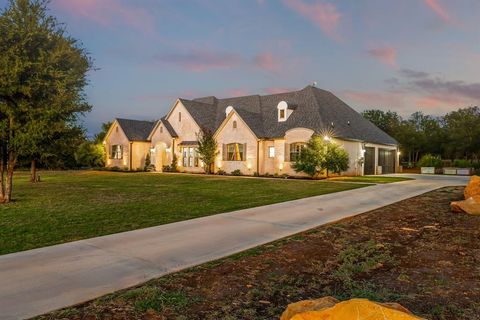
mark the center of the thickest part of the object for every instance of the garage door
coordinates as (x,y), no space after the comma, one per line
(369,165)
(386,159)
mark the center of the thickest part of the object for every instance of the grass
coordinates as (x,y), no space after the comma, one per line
(68,206)
(371,179)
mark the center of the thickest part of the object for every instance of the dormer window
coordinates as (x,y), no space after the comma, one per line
(285,110)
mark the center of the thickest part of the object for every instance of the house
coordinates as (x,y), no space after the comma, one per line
(255,133)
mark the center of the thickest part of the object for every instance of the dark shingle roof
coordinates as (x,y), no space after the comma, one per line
(314,109)
(169,128)
(136,130)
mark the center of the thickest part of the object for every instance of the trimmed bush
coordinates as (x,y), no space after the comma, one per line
(430,160)
(236,172)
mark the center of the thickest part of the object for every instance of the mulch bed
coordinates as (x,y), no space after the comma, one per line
(415,252)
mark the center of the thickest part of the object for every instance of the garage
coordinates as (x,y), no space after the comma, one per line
(386,159)
(369,165)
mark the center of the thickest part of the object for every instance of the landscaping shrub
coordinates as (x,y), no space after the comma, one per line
(462,163)
(430,160)
(221,172)
(236,172)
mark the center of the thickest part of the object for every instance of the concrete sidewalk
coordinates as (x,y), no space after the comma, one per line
(41,280)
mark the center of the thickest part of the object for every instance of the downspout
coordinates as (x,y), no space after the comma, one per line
(130,156)
(258,157)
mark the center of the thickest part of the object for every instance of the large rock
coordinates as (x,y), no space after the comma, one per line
(352,309)
(470,206)
(473,187)
(307,305)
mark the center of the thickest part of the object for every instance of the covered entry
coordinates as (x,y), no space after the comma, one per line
(386,159)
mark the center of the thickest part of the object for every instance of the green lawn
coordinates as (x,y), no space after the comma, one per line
(370,179)
(68,206)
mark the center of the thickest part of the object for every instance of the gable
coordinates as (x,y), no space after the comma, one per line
(115,135)
(182,122)
(234,128)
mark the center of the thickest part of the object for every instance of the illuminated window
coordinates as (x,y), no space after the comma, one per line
(179,117)
(117,152)
(235,152)
(295,150)
(234,124)
(282,114)
(271,152)
(190,157)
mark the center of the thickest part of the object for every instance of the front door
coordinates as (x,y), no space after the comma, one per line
(369,165)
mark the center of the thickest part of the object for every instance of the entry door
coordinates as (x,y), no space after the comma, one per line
(386,159)
(369,165)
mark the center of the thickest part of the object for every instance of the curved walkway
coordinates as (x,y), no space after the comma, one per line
(41,280)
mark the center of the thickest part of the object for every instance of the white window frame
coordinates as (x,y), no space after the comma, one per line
(271,152)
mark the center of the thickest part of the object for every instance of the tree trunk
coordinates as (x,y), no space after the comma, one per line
(2,178)
(33,171)
(9,183)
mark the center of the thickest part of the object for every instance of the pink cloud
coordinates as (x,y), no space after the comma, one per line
(386,55)
(239,92)
(201,61)
(274,90)
(324,15)
(436,7)
(267,62)
(108,13)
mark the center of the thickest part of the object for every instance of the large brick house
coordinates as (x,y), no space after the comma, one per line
(255,133)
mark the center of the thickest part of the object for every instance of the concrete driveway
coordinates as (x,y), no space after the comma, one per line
(38,281)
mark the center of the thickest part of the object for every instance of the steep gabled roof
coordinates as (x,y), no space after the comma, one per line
(169,127)
(314,109)
(136,130)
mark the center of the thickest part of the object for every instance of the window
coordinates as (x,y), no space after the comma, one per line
(116,129)
(271,152)
(179,117)
(234,124)
(190,157)
(295,150)
(282,114)
(161,129)
(235,152)
(117,152)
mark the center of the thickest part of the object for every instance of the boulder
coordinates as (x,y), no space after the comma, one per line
(352,309)
(308,305)
(470,206)
(473,187)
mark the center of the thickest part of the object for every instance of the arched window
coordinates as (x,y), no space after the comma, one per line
(295,150)
(234,124)
(235,152)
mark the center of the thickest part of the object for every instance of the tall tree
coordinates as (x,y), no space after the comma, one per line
(463,133)
(42,78)
(207,149)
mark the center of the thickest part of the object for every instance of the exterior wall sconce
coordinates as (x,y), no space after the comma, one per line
(280,166)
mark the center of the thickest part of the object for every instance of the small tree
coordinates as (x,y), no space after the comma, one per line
(320,155)
(90,154)
(173,165)
(336,158)
(207,149)
(148,162)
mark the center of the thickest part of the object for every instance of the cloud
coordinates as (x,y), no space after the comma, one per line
(439,10)
(324,15)
(275,90)
(108,13)
(386,55)
(435,86)
(205,60)
(200,61)
(267,61)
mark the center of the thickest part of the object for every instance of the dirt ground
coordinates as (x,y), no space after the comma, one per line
(415,252)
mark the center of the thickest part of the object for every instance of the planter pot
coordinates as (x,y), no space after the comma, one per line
(427,170)
(464,171)
(450,171)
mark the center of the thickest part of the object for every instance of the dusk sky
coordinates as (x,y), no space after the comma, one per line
(403,55)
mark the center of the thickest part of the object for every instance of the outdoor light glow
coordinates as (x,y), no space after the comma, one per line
(168,150)
(152,150)
(399,153)
(219,165)
(201,164)
(280,166)
(249,166)
(327,138)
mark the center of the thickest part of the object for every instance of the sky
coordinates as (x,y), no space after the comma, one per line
(404,56)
